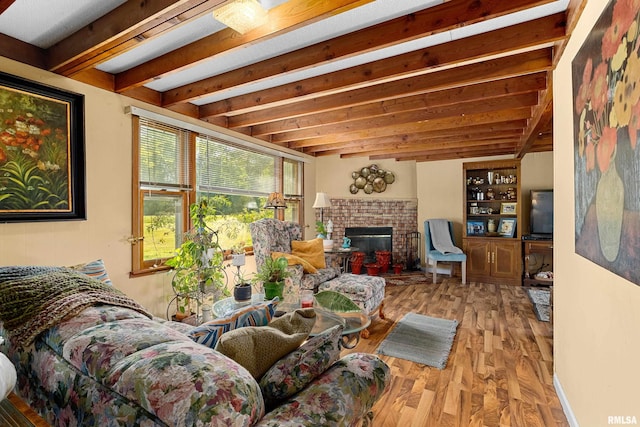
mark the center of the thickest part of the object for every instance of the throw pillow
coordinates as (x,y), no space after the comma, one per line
(258,348)
(209,332)
(293,260)
(95,269)
(293,372)
(310,250)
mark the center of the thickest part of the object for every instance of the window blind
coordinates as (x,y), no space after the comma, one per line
(225,168)
(164,156)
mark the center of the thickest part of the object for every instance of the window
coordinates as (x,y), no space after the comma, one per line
(176,167)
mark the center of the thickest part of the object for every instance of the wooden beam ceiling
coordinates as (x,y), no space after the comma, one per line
(481,95)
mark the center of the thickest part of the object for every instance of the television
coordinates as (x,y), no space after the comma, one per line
(541,215)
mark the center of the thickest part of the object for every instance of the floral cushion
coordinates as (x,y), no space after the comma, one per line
(324,401)
(293,372)
(209,332)
(111,366)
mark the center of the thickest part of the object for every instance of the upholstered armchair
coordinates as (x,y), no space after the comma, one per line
(271,235)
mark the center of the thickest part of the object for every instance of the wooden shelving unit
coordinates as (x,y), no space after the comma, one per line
(492,195)
(542,251)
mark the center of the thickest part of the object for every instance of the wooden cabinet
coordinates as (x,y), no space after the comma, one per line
(538,256)
(492,221)
(493,260)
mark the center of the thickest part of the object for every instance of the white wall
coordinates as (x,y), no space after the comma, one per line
(596,315)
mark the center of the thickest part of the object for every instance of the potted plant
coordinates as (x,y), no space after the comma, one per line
(272,274)
(238,257)
(198,264)
(321,230)
(323,234)
(242,285)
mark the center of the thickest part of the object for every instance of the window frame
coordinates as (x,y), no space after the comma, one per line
(139,266)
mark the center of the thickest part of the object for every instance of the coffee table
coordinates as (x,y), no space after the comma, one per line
(224,306)
(353,323)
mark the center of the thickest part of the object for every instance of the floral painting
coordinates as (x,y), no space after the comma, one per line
(606,90)
(41,152)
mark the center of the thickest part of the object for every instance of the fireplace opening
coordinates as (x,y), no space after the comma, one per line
(370,239)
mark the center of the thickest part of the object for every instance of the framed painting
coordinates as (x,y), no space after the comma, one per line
(606,120)
(475,228)
(42,165)
(507,227)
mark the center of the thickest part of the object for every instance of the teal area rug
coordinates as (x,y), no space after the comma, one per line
(540,298)
(421,339)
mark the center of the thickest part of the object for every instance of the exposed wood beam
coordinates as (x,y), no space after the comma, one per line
(501,150)
(492,89)
(418,141)
(431,125)
(526,35)
(433,20)
(460,109)
(283,18)
(541,118)
(4,4)
(23,52)
(122,29)
(438,135)
(520,64)
(500,143)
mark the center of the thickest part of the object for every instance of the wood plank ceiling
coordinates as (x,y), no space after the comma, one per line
(482,95)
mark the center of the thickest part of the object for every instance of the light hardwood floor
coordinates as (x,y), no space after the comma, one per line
(500,370)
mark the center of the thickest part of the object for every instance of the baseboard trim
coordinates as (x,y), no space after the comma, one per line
(571,418)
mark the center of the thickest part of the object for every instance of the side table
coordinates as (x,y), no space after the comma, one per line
(340,256)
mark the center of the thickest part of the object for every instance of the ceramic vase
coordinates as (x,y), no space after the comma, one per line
(357,260)
(373,269)
(273,289)
(609,210)
(242,293)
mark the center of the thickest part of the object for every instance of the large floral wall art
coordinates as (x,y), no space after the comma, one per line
(606,90)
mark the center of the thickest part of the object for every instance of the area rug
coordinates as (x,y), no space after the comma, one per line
(540,298)
(421,339)
(409,278)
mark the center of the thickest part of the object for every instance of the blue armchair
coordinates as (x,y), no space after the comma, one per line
(432,254)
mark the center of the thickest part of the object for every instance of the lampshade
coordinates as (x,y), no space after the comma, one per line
(322,201)
(241,15)
(275,201)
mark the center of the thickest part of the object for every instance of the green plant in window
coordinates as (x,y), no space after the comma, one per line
(198,263)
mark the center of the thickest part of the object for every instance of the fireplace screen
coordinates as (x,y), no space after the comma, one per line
(370,239)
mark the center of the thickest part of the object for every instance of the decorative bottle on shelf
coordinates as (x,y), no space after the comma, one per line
(491,226)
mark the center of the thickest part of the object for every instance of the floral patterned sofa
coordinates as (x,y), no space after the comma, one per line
(271,235)
(107,362)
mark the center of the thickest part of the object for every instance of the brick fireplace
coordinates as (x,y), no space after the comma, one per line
(399,214)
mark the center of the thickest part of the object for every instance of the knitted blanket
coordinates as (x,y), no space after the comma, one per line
(33,301)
